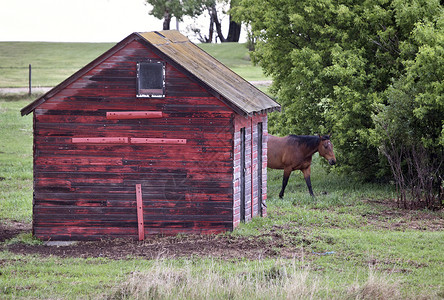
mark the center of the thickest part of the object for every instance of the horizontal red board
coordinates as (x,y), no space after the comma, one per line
(128,115)
(126,140)
(101,140)
(157,141)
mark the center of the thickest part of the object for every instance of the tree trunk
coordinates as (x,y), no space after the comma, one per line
(217,23)
(166,20)
(234,31)
(211,29)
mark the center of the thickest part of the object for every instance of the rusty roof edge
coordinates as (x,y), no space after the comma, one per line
(51,93)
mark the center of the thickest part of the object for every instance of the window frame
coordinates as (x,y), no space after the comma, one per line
(150,93)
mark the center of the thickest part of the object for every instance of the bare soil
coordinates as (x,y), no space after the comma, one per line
(279,241)
(10,230)
(155,246)
(393,218)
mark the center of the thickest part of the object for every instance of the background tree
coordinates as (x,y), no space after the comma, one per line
(234,29)
(332,61)
(215,9)
(167,9)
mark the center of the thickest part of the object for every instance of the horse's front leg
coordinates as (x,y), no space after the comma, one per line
(307,173)
(287,173)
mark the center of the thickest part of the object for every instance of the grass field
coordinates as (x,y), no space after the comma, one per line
(54,62)
(352,243)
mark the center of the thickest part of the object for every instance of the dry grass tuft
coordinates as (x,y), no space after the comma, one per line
(164,281)
(377,287)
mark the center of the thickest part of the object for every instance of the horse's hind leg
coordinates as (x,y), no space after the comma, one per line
(308,182)
(287,173)
(307,173)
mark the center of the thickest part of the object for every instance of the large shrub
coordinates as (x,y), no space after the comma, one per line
(409,126)
(332,61)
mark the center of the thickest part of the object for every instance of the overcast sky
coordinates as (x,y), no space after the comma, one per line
(74,20)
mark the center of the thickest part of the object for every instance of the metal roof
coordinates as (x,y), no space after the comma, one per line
(209,70)
(229,87)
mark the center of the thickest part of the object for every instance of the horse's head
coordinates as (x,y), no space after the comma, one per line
(325,149)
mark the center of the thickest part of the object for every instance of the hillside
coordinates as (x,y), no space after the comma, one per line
(54,62)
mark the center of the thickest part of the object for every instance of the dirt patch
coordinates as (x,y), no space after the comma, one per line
(217,246)
(164,247)
(12,229)
(393,218)
(285,241)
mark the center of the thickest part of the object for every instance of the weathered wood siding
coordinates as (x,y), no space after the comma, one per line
(252,189)
(85,189)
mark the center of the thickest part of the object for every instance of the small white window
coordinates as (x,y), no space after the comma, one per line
(151,79)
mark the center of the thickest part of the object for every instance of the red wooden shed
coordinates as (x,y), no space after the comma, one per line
(154,136)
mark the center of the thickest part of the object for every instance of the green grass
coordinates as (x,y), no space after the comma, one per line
(349,244)
(15,160)
(327,277)
(54,62)
(236,57)
(50,278)
(51,62)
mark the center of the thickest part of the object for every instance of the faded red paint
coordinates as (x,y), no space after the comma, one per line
(101,153)
(129,115)
(139,202)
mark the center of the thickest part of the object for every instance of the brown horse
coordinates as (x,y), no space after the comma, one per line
(294,152)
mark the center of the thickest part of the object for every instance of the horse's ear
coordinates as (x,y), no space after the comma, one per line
(330,134)
(323,137)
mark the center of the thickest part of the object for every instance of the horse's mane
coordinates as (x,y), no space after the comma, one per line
(311,141)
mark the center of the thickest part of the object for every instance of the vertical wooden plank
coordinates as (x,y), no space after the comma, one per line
(242,175)
(35,176)
(140,212)
(251,169)
(260,132)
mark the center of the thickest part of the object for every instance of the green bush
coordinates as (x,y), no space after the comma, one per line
(409,124)
(333,61)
